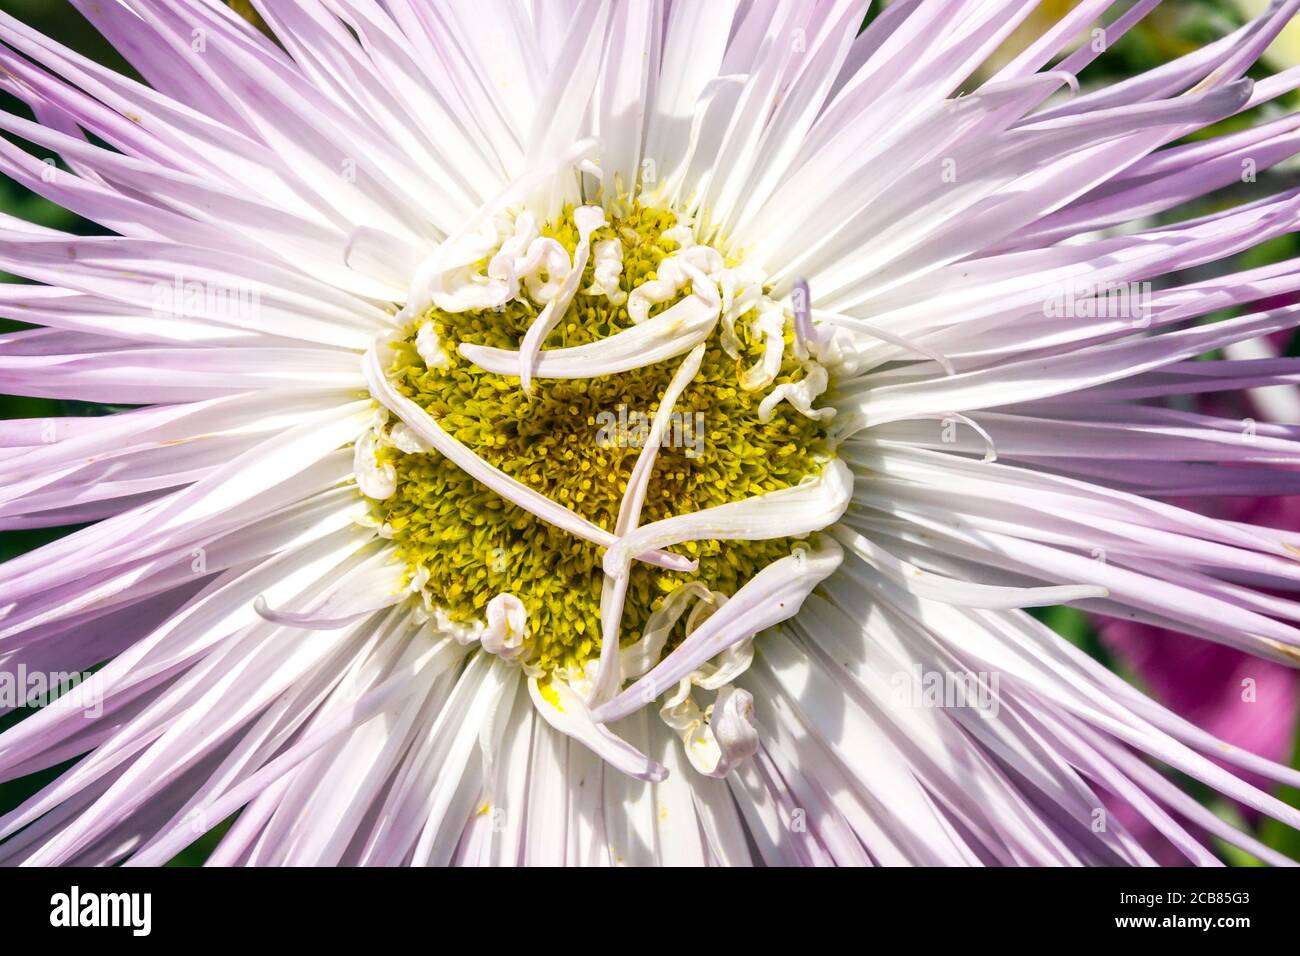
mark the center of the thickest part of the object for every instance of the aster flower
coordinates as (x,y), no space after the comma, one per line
(585,432)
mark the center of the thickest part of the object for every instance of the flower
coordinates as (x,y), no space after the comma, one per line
(1247,702)
(617,433)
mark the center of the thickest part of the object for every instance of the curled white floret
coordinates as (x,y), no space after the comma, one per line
(723,734)
(608,257)
(544,272)
(718,738)
(742,290)
(403,439)
(376,479)
(527,259)
(588,219)
(682,234)
(517,255)
(507,627)
(695,266)
(451,281)
(463,633)
(800,394)
(732,721)
(769,325)
(430,347)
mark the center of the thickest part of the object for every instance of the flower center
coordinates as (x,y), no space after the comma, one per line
(577,441)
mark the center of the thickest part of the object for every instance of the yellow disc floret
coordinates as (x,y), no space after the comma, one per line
(576,441)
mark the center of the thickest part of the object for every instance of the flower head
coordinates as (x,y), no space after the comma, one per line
(625,432)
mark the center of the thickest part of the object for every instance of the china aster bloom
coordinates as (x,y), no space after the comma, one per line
(587,432)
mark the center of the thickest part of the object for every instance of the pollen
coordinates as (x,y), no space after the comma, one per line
(576,441)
